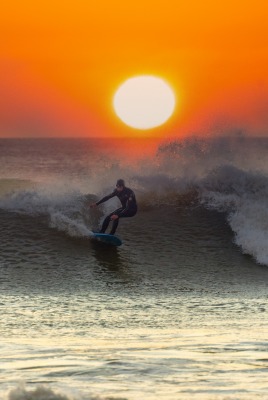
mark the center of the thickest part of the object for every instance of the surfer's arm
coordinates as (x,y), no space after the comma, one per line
(106,198)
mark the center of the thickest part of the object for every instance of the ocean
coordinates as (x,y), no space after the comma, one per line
(179,311)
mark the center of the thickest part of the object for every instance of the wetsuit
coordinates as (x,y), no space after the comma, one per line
(129,208)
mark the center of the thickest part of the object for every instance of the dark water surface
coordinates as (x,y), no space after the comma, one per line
(178,311)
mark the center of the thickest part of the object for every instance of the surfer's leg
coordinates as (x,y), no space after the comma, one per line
(116,221)
(114,227)
(105,223)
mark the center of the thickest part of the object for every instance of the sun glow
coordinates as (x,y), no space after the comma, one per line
(144,102)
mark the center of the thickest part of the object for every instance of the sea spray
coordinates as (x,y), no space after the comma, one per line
(68,225)
(63,209)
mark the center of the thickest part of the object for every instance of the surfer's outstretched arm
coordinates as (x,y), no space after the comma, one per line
(105,198)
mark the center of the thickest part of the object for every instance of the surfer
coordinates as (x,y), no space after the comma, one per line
(128,209)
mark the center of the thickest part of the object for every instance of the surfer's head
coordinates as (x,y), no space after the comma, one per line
(120,185)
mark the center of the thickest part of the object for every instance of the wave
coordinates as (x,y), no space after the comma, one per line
(243,196)
(46,393)
(229,175)
(64,208)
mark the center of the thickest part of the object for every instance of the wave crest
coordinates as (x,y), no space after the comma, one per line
(243,196)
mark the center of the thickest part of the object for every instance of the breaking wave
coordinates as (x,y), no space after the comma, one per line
(228,174)
(244,197)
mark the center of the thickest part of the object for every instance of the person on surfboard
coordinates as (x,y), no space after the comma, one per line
(129,206)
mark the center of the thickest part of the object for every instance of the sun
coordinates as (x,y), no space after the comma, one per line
(144,102)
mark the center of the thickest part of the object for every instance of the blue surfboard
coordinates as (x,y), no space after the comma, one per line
(108,239)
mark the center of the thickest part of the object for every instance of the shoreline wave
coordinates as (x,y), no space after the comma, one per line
(44,392)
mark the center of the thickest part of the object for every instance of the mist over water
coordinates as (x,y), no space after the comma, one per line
(168,314)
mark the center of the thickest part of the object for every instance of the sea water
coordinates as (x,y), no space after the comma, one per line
(179,311)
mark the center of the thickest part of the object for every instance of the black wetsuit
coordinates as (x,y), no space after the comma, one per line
(129,207)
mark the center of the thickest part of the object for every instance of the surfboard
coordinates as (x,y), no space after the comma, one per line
(107,239)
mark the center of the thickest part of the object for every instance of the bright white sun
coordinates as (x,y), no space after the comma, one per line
(144,102)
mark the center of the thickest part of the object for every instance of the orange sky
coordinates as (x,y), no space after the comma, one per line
(61,61)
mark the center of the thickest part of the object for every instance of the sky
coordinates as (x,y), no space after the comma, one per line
(62,61)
